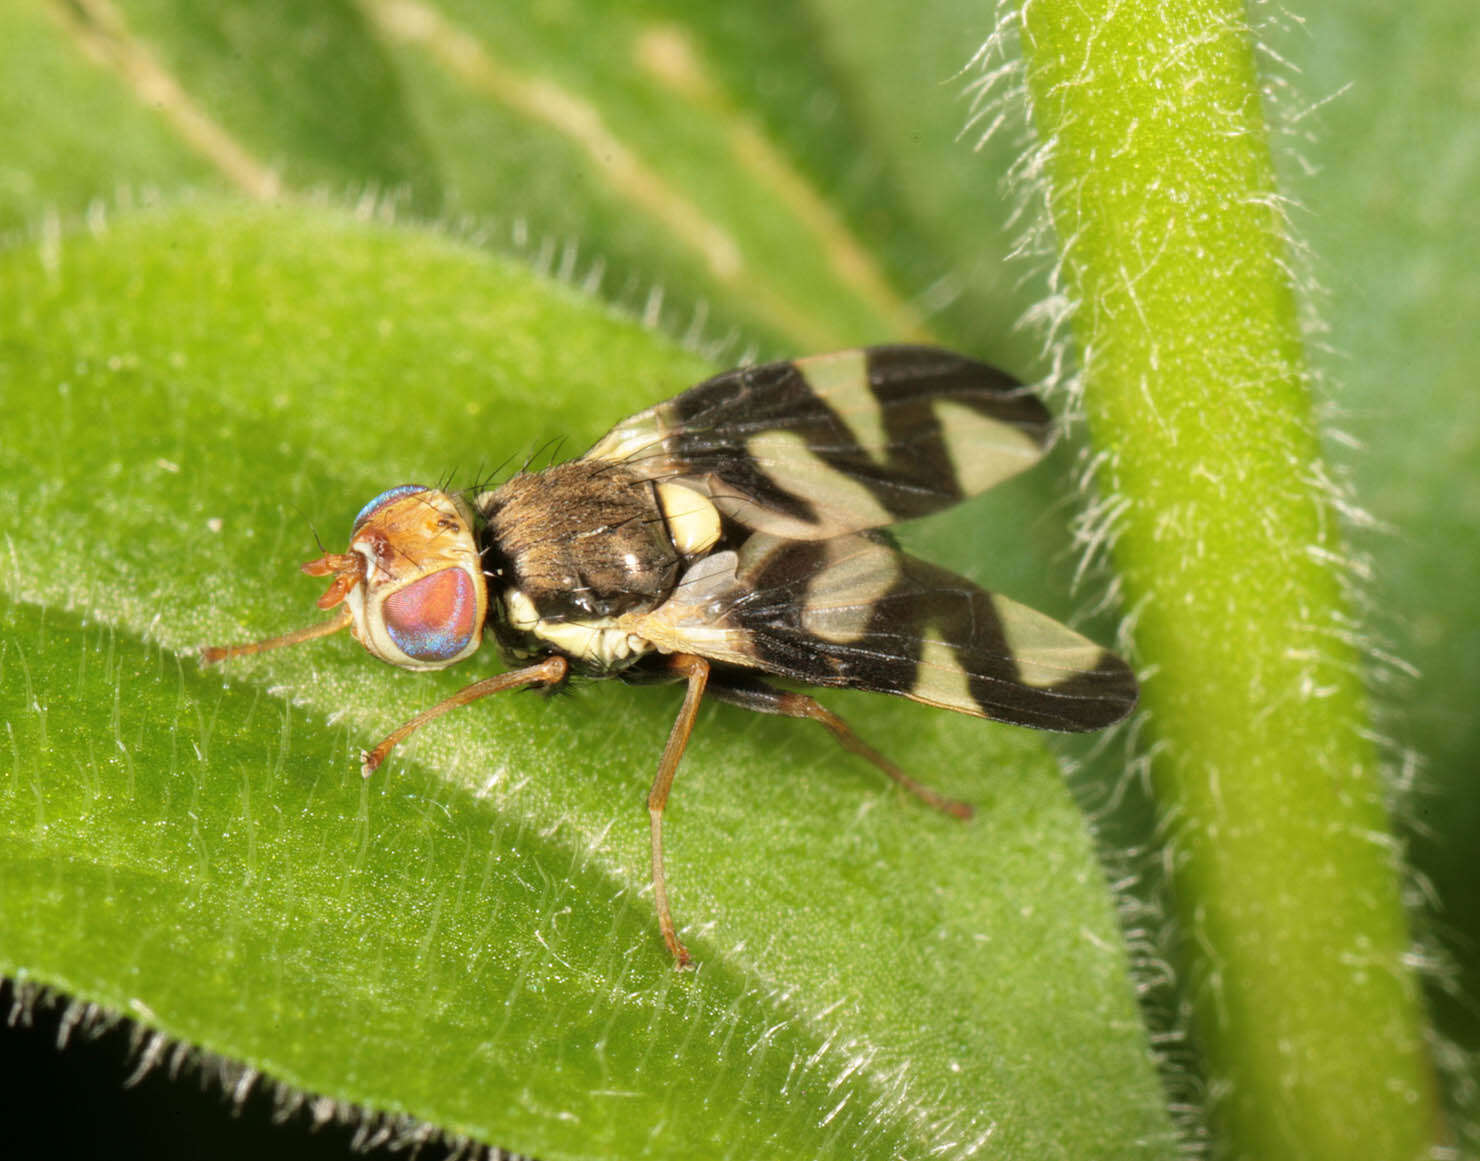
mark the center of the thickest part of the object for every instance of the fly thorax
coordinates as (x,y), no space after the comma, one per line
(599,645)
(590,539)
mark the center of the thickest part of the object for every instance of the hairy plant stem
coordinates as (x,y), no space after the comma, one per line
(1286,879)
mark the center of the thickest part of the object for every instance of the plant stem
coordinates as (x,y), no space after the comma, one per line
(1228,540)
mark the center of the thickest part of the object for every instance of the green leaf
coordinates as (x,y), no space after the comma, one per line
(467,936)
(635,161)
(1387,171)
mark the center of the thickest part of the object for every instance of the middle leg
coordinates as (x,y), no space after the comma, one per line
(695,670)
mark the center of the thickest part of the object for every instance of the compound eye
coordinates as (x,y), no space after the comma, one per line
(434,618)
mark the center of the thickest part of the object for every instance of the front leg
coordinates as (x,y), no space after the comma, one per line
(550,672)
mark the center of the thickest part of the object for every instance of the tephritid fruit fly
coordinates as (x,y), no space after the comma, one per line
(727,537)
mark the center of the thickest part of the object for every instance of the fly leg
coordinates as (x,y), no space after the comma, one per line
(210,654)
(551,671)
(752,694)
(695,670)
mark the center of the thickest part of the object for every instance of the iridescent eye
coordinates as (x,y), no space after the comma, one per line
(383,499)
(434,618)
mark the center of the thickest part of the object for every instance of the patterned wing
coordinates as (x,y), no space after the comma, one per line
(836,443)
(856,612)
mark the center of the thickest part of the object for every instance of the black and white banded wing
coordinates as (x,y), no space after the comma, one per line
(855,612)
(821,446)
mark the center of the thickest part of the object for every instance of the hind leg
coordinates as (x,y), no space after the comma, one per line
(754,694)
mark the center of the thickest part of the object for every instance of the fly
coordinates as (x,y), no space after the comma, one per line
(725,538)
